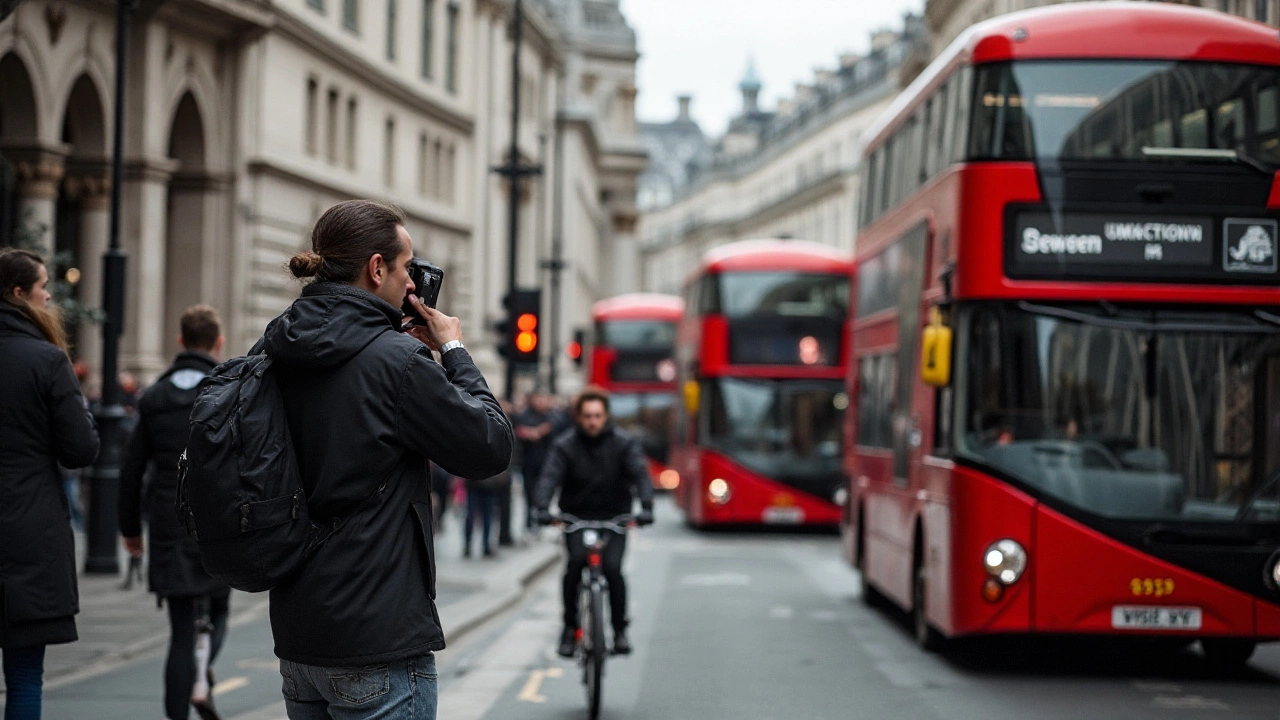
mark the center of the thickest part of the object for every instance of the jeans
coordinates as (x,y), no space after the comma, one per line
(401,690)
(479,502)
(611,563)
(180,666)
(24,682)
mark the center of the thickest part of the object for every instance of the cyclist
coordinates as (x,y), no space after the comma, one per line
(599,471)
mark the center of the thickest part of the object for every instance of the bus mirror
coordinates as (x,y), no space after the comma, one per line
(691,396)
(935,354)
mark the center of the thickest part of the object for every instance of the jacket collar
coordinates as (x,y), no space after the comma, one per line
(13,322)
(194,360)
(317,289)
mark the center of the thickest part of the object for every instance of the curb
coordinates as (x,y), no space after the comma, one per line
(495,597)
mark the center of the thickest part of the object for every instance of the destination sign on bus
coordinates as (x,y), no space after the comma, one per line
(1044,245)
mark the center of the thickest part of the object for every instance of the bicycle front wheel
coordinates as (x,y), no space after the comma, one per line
(594,651)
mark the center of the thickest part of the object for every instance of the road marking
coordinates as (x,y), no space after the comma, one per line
(1189,702)
(824,616)
(781,612)
(726,579)
(229,685)
(531,690)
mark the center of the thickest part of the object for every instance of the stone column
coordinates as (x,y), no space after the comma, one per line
(625,253)
(93,191)
(39,168)
(143,230)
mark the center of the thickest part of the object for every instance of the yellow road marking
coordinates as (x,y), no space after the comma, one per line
(531,690)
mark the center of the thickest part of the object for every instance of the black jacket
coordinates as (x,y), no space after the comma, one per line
(159,437)
(368,407)
(596,476)
(43,422)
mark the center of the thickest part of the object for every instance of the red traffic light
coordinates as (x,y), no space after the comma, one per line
(527,322)
(574,350)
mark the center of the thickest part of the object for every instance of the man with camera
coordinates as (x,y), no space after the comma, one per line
(598,470)
(367,408)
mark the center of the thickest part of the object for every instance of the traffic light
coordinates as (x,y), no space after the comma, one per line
(577,348)
(521,332)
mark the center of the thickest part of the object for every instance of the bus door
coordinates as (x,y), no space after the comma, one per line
(907,265)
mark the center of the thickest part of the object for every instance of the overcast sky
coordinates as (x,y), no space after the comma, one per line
(701,47)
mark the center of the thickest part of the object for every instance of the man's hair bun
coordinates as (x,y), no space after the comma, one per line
(305,264)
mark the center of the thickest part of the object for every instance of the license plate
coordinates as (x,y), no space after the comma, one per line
(1138,617)
(783,515)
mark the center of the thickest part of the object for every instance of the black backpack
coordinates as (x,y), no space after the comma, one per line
(239,488)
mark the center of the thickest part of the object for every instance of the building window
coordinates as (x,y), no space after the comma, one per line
(450,173)
(451,47)
(312,119)
(351,15)
(422,163)
(331,127)
(437,183)
(353,112)
(389,153)
(391,29)
(316,5)
(428,31)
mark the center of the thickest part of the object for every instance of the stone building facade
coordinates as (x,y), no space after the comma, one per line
(245,119)
(788,172)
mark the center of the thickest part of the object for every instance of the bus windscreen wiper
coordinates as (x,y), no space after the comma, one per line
(1261,490)
(1174,153)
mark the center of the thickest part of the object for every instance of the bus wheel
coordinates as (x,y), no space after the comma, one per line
(1227,652)
(927,638)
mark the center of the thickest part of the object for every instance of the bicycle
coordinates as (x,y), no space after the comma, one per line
(591,648)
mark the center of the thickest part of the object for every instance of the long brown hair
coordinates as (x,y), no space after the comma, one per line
(21,269)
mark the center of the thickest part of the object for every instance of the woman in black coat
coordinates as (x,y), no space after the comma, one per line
(44,421)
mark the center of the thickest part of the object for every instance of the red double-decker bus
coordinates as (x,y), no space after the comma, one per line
(1066,326)
(762,351)
(633,357)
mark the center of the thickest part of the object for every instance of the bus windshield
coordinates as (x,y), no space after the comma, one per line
(637,334)
(1132,414)
(783,429)
(1127,110)
(648,417)
(784,294)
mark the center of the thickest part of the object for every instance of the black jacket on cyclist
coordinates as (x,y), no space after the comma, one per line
(598,477)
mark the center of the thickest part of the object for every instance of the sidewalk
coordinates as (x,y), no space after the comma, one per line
(117,625)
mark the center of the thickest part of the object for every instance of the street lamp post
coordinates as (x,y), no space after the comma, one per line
(104,476)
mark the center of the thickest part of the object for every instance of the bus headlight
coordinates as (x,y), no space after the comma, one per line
(1274,574)
(718,491)
(840,496)
(669,479)
(1005,560)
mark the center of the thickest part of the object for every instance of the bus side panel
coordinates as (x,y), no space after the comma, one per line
(936,514)
(985,510)
(889,514)
(1268,619)
(1084,573)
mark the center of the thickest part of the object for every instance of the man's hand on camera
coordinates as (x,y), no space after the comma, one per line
(645,517)
(436,328)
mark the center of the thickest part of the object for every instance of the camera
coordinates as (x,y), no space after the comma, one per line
(427,279)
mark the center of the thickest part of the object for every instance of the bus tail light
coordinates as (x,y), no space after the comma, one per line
(1005,560)
(718,492)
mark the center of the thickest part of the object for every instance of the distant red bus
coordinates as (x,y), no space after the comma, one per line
(762,352)
(633,357)
(1066,324)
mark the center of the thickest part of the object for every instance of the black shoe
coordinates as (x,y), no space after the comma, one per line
(490,553)
(621,645)
(205,709)
(568,643)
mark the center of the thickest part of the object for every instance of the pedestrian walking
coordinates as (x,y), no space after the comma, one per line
(441,491)
(175,574)
(43,423)
(482,500)
(535,427)
(367,405)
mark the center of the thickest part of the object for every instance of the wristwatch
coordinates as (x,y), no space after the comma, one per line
(451,345)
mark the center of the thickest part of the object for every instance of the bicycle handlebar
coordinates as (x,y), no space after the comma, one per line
(570,523)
